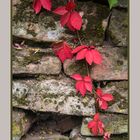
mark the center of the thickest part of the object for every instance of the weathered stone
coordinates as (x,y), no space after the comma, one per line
(29,61)
(117,137)
(123,3)
(52,95)
(45,26)
(118,27)
(58,122)
(76,135)
(119,90)
(45,137)
(71,66)
(21,122)
(120,4)
(45,129)
(114,124)
(14,4)
(67,123)
(113,67)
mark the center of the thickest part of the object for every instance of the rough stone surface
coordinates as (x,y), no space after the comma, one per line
(71,66)
(52,95)
(114,123)
(67,123)
(45,26)
(120,4)
(38,136)
(76,135)
(113,67)
(118,27)
(21,122)
(45,137)
(123,3)
(58,122)
(14,4)
(46,128)
(33,61)
(119,90)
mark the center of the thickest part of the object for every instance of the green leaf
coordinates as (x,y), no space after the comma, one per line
(112,3)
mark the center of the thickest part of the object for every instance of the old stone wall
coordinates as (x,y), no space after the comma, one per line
(45,103)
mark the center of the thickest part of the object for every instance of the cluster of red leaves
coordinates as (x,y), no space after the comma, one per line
(38,4)
(83,84)
(69,16)
(103,98)
(89,53)
(97,127)
(62,50)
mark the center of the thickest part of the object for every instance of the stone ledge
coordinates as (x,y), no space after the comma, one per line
(52,95)
(76,135)
(114,124)
(29,61)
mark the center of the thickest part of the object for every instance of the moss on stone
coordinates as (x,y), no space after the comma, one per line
(16,129)
(33,58)
(78,66)
(85,101)
(94,32)
(25,14)
(117,98)
(21,101)
(117,124)
(61,103)
(118,27)
(41,77)
(119,85)
(31,32)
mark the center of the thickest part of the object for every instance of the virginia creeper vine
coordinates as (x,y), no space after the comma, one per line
(71,18)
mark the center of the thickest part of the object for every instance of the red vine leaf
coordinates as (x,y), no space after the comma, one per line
(96,125)
(107,136)
(69,16)
(37,6)
(46,4)
(60,10)
(83,84)
(77,49)
(65,18)
(89,53)
(76,20)
(62,50)
(103,98)
(70,26)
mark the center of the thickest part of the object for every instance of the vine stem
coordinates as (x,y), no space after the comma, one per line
(79,38)
(87,69)
(87,66)
(81,44)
